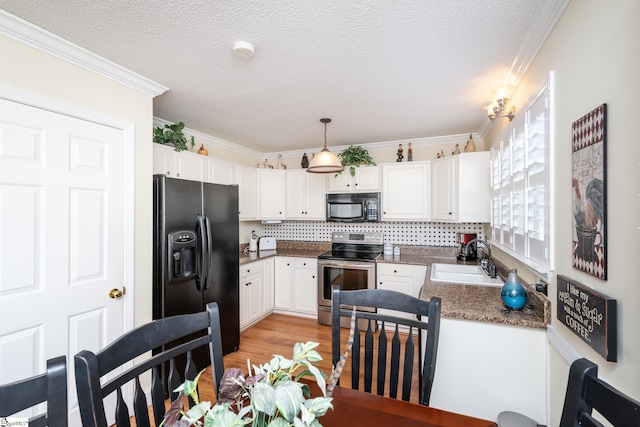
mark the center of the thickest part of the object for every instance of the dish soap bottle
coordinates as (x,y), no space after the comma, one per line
(514,295)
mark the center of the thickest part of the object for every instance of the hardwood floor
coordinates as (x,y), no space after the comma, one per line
(277,334)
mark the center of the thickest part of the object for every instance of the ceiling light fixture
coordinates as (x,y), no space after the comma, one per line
(325,161)
(496,107)
(243,50)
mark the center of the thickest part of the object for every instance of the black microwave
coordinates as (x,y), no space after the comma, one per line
(353,207)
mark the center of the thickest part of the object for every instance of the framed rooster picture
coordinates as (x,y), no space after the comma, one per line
(588,141)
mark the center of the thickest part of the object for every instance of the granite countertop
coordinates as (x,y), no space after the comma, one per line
(464,302)
(482,304)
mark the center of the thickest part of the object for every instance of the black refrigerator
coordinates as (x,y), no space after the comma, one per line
(196,254)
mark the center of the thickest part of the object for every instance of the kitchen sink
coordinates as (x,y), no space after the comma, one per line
(462,274)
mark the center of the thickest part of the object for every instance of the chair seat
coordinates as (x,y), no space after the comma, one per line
(514,419)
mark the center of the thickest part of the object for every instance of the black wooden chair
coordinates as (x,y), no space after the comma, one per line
(50,387)
(90,368)
(585,392)
(425,317)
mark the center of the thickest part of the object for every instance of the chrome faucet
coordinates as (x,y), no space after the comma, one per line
(489,267)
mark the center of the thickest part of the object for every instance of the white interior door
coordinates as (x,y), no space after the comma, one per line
(62,214)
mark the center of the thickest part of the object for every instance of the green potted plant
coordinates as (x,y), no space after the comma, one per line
(172,135)
(354,156)
(269,396)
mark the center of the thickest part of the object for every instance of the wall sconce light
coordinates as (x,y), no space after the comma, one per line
(495,109)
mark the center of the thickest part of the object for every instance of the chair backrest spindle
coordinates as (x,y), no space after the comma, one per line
(392,308)
(181,334)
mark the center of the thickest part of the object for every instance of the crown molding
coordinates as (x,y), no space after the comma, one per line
(545,19)
(26,33)
(543,22)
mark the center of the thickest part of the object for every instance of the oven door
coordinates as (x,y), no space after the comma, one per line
(349,275)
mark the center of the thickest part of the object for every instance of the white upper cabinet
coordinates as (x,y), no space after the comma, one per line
(367,178)
(247,194)
(271,193)
(405,191)
(305,197)
(461,188)
(179,164)
(221,172)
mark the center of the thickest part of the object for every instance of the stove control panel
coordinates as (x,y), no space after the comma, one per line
(357,237)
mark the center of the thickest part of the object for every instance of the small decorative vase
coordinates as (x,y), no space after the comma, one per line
(203,151)
(514,295)
(305,161)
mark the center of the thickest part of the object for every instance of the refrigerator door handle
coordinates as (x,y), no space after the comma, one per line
(202,267)
(209,253)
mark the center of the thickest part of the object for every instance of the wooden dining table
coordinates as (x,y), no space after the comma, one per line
(358,408)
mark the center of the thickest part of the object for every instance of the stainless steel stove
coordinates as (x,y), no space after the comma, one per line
(350,264)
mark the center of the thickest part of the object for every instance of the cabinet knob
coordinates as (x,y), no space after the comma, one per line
(248,270)
(304,263)
(450,213)
(313,277)
(168,173)
(356,184)
(381,283)
(395,271)
(178,174)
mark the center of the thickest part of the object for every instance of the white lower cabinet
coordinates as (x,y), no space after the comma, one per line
(268,268)
(484,368)
(256,291)
(404,278)
(296,286)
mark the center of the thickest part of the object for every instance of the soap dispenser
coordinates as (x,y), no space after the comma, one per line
(253,242)
(514,295)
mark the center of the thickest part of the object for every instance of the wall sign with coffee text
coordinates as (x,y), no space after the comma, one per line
(589,192)
(590,315)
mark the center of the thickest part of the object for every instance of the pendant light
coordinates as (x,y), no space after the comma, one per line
(325,161)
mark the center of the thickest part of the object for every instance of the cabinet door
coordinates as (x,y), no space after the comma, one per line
(251,292)
(443,191)
(296,194)
(246,178)
(268,284)
(271,193)
(406,191)
(367,179)
(221,172)
(305,286)
(283,276)
(191,166)
(473,185)
(255,296)
(340,183)
(164,160)
(316,196)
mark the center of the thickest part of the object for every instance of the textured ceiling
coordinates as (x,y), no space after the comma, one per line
(382,70)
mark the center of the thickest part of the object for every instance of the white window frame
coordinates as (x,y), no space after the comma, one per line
(503,216)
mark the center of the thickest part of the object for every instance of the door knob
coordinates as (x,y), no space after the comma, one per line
(115,293)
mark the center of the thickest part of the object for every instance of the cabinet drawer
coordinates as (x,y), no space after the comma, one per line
(251,268)
(400,270)
(305,263)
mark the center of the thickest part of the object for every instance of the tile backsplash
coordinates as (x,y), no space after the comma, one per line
(402,233)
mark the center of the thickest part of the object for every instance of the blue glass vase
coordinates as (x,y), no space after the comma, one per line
(514,295)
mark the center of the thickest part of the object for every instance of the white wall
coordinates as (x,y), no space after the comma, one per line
(29,70)
(594,52)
